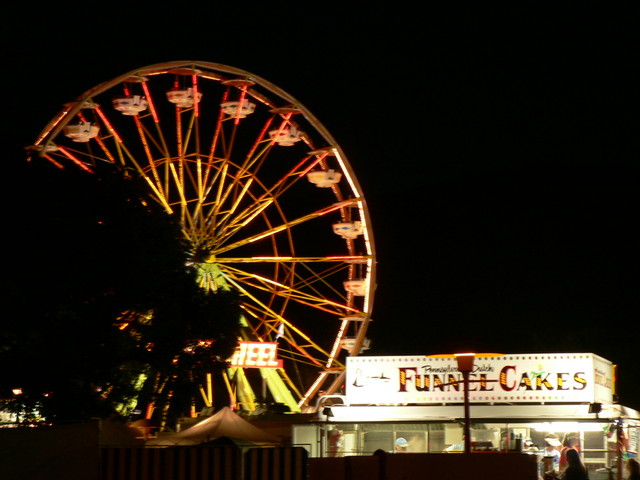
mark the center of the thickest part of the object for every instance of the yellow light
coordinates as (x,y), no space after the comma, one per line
(465,361)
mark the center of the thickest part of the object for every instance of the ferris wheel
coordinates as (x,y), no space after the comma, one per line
(268,203)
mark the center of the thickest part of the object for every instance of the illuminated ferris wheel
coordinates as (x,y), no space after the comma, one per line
(267,200)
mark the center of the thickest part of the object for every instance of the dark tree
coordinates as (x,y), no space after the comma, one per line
(100,292)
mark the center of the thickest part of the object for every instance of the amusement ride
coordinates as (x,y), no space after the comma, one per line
(268,204)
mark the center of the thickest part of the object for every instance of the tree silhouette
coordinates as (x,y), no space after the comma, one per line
(101,307)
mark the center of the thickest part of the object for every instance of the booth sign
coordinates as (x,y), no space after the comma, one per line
(510,378)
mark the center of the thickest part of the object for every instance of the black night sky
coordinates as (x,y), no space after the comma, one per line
(497,149)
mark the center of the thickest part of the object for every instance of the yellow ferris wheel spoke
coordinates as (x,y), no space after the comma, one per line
(277,259)
(276,317)
(227,220)
(248,215)
(284,226)
(288,292)
(241,176)
(157,184)
(232,223)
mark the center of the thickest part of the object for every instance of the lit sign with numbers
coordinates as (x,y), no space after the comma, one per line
(256,355)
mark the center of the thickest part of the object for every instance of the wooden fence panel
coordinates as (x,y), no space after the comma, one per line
(174,463)
(279,463)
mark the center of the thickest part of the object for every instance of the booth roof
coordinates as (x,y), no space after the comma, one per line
(224,423)
(425,413)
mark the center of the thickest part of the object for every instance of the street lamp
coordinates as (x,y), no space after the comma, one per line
(465,366)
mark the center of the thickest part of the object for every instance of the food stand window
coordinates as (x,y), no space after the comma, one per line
(400,437)
(365,438)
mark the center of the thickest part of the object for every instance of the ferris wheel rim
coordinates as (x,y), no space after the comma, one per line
(54,128)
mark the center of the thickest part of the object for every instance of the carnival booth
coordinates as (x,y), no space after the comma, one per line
(533,403)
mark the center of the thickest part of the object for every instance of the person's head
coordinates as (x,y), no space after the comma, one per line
(633,466)
(573,457)
(552,441)
(570,440)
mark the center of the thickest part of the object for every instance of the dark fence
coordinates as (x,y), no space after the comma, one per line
(285,463)
(204,463)
(426,466)
(175,463)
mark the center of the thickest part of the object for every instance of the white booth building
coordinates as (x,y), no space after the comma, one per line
(517,402)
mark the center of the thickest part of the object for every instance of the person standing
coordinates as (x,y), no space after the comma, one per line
(551,453)
(571,441)
(633,469)
(575,468)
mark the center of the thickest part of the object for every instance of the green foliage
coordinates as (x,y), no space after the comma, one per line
(92,249)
